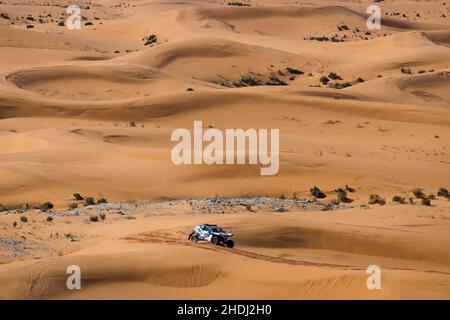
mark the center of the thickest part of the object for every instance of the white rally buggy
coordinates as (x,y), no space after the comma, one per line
(212,233)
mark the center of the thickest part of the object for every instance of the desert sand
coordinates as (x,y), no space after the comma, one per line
(91,111)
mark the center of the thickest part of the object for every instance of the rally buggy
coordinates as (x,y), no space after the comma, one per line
(212,233)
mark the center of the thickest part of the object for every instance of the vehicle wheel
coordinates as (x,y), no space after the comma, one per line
(215,240)
(190,235)
(194,238)
(229,243)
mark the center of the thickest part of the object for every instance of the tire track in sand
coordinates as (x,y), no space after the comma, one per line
(172,237)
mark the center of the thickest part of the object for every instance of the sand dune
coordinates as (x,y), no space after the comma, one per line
(293,264)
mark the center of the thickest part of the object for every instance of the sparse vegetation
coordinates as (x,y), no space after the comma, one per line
(151,39)
(419,194)
(239,4)
(324,38)
(334,76)
(73,205)
(93,218)
(274,81)
(46,206)
(398,199)
(316,192)
(102,216)
(102,200)
(342,85)
(78,196)
(23,219)
(294,71)
(89,201)
(70,236)
(442,192)
(248,80)
(349,189)
(426,202)
(342,196)
(406,70)
(49,219)
(324,80)
(376,199)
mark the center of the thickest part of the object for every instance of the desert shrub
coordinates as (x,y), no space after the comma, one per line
(73,205)
(189,89)
(274,81)
(89,201)
(132,124)
(15,224)
(376,199)
(342,196)
(334,202)
(442,192)
(151,39)
(49,218)
(426,202)
(336,39)
(93,218)
(406,70)
(431,196)
(248,80)
(398,199)
(418,193)
(238,4)
(342,85)
(102,216)
(46,206)
(70,236)
(316,192)
(324,80)
(334,76)
(78,196)
(349,189)
(23,219)
(294,71)
(102,200)
(2,208)
(360,80)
